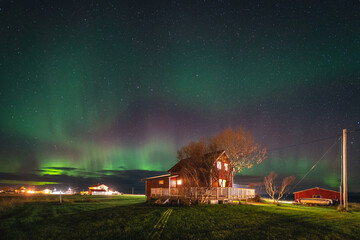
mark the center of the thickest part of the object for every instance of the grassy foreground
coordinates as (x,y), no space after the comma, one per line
(128,217)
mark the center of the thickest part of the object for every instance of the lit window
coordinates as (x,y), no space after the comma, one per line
(179,182)
(161,181)
(172,183)
(219,165)
(222,183)
(226,166)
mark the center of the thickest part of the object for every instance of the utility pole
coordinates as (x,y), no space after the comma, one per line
(345,197)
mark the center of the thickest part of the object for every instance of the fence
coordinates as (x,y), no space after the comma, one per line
(200,192)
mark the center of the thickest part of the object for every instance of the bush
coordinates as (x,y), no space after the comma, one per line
(257,199)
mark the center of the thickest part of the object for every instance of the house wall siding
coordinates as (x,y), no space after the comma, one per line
(225,175)
(154,183)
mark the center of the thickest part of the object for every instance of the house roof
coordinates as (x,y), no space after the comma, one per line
(315,188)
(177,167)
(98,185)
(161,176)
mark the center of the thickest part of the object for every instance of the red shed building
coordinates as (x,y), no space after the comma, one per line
(317,192)
(176,184)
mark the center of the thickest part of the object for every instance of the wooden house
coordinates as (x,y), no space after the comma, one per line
(98,189)
(20,190)
(214,179)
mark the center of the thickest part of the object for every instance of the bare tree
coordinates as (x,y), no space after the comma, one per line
(198,166)
(272,189)
(270,185)
(285,183)
(240,147)
(195,165)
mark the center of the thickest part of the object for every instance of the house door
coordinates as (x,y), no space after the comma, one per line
(222,182)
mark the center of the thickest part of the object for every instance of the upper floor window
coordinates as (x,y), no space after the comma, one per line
(161,181)
(226,166)
(179,182)
(218,164)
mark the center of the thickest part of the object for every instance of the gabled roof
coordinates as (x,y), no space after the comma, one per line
(177,167)
(98,185)
(316,188)
(160,176)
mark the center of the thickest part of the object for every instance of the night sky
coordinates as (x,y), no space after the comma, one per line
(102,91)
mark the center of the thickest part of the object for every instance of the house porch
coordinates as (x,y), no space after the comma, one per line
(213,193)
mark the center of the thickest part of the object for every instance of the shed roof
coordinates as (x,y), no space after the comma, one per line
(317,189)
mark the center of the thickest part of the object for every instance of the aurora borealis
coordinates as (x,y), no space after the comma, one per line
(107,91)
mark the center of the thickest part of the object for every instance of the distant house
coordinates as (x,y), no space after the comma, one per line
(20,190)
(98,189)
(315,194)
(178,183)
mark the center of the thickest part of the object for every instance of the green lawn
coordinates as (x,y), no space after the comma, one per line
(128,217)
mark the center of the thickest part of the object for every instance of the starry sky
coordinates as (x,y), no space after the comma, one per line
(107,91)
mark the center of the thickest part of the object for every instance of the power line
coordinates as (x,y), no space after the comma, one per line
(315,164)
(304,143)
(313,141)
(354,131)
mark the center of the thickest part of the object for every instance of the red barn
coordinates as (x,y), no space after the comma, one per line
(317,192)
(178,184)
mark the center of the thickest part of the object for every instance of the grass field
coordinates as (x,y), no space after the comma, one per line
(129,217)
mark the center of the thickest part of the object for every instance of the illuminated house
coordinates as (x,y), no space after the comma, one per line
(179,184)
(98,189)
(20,190)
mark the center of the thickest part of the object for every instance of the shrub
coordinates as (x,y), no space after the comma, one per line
(257,199)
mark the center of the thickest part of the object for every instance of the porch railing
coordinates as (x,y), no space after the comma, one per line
(213,192)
